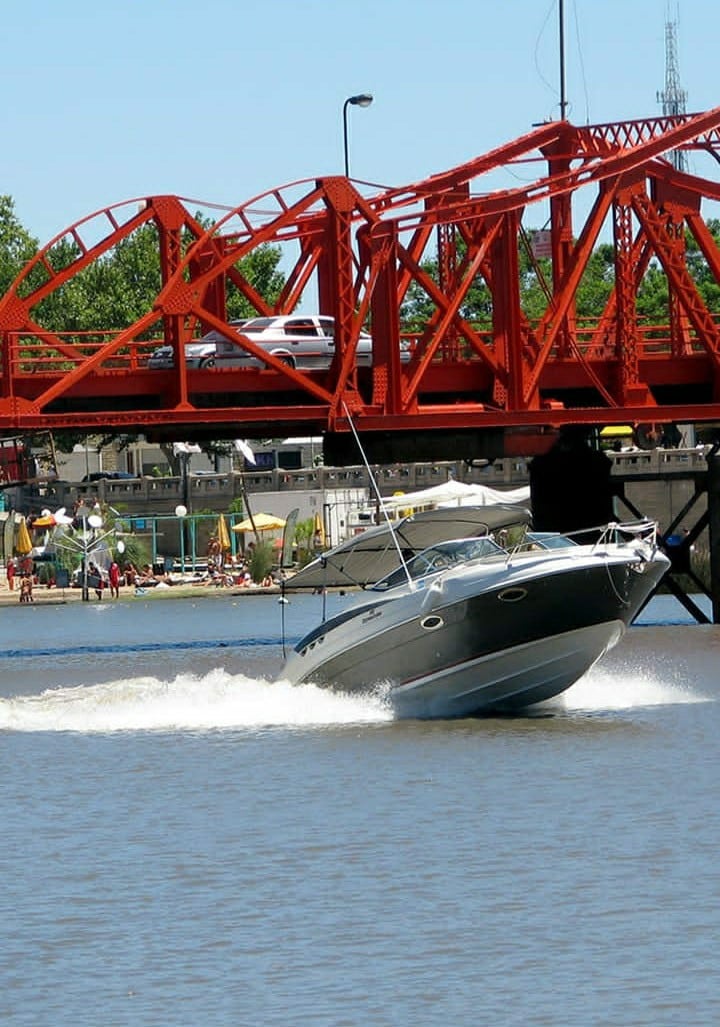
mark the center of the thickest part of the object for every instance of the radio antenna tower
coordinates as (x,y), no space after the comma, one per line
(672,97)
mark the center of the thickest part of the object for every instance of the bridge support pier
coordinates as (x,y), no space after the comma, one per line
(570,485)
(679,546)
(713,489)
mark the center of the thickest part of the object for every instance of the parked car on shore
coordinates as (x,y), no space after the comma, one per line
(111,475)
(304,341)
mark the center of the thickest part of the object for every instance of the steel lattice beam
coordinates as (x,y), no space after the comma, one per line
(363,256)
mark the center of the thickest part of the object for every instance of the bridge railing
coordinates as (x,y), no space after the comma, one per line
(62,352)
(58,353)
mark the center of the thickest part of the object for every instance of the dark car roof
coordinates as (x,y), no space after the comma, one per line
(99,475)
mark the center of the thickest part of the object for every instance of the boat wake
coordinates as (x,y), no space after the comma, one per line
(604,689)
(211,702)
(220,701)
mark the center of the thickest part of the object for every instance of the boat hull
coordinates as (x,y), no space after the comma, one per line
(482,642)
(510,680)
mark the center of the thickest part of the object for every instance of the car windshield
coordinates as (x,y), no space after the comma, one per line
(259,322)
(439,558)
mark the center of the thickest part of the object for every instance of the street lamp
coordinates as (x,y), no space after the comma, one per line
(181,514)
(361,100)
(85,542)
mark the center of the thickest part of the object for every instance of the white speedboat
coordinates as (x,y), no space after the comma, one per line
(455,624)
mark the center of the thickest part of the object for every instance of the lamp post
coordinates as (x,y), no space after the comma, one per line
(181,514)
(361,100)
(183,451)
(85,542)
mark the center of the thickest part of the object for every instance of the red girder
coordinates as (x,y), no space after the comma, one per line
(363,254)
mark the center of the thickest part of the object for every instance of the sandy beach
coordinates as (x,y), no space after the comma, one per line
(52,596)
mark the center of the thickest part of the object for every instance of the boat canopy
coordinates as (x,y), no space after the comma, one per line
(372,555)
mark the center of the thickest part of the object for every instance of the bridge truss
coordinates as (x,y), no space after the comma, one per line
(359,252)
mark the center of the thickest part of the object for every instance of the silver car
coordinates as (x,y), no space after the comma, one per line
(304,341)
(200,353)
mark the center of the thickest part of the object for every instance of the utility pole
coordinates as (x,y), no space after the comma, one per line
(672,97)
(561,33)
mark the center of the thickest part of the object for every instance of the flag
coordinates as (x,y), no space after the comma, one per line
(288,538)
(242,447)
(541,243)
(185,447)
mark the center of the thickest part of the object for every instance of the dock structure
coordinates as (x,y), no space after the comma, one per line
(687,484)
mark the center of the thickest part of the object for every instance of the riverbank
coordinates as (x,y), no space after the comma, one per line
(43,596)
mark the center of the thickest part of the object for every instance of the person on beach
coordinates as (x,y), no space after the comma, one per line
(95,580)
(214,554)
(10,572)
(114,579)
(26,587)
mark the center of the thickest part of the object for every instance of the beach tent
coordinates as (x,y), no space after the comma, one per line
(456,493)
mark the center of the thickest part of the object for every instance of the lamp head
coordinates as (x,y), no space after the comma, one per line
(361,100)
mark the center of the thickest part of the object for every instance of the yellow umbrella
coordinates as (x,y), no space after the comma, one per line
(23,542)
(48,521)
(260,522)
(319,531)
(223,534)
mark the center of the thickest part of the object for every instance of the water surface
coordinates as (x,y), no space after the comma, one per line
(189,841)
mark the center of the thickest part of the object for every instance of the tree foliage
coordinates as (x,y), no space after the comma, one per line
(117,289)
(593,292)
(17,246)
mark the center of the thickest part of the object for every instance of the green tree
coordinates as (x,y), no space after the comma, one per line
(261,561)
(17,246)
(261,270)
(652,298)
(597,282)
(698,267)
(304,535)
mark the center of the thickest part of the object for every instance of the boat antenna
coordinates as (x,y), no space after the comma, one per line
(376,490)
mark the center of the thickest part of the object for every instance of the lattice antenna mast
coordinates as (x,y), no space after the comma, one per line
(673,98)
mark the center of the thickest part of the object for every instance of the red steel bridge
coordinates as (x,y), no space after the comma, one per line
(359,251)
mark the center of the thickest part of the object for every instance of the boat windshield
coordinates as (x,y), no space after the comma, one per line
(439,558)
(548,540)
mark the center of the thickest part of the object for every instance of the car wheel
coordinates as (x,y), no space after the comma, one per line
(207,362)
(288,361)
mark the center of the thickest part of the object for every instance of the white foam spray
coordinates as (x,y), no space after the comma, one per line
(605,689)
(215,701)
(223,701)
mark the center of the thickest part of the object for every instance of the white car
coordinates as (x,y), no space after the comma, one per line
(200,353)
(304,341)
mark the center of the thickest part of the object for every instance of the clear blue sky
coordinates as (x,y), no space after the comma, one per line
(220,100)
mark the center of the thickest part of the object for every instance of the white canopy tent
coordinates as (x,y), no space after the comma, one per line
(455,493)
